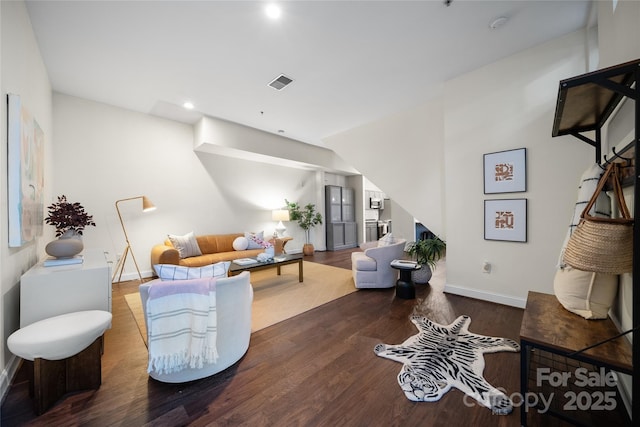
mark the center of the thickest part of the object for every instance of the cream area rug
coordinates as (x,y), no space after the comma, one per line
(277,298)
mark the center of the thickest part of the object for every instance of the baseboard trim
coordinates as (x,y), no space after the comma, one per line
(134,276)
(7,375)
(486,296)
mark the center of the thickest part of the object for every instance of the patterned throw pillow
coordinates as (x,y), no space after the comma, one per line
(180,272)
(186,245)
(256,240)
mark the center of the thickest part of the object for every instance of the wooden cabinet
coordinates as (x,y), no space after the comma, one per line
(341,235)
(348,207)
(333,195)
(342,230)
(50,291)
(372,231)
(335,236)
(350,234)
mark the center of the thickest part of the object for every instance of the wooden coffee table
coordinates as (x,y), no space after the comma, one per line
(277,262)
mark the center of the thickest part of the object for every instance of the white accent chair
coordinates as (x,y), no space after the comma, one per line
(372,269)
(234,296)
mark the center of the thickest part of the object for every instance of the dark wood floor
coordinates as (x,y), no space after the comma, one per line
(318,368)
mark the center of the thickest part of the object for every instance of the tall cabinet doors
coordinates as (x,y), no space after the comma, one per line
(342,230)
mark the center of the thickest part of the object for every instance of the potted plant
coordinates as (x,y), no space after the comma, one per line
(70,220)
(427,252)
(307,218)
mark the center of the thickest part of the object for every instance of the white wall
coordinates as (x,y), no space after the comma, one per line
(618,35)
(217,136)
(403,156)
(506,105)
(429,160)
(105,153)
(22,72)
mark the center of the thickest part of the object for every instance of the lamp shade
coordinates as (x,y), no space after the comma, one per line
(280,215)
(147,205)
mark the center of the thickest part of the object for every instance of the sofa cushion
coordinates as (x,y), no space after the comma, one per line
(186,245)
(213,243)
(179,272)
(360,261)
(206,259)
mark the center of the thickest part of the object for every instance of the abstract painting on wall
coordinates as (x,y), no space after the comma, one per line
(505,219)
(25,174)
(505,171)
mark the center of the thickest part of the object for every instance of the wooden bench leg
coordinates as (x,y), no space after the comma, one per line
(52,379)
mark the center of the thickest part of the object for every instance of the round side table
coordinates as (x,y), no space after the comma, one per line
(404,286)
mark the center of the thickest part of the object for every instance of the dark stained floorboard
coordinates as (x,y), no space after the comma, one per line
(317,368)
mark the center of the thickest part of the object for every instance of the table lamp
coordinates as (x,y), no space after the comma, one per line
(280,215)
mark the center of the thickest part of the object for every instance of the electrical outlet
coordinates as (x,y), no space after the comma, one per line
(486,267)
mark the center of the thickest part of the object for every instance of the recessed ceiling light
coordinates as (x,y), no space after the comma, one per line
(188,105)
(498,22)
(273,11)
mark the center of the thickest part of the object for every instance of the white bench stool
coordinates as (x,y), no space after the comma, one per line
(64,354)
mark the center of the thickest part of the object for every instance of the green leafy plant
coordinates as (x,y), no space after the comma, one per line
(306,217)
(427,251)
(65,216)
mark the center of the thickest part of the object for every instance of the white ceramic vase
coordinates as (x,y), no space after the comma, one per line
(271,251)
(66,246)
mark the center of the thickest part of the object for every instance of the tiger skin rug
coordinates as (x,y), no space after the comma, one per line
(440,357)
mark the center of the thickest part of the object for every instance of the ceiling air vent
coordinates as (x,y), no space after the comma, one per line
(280,82)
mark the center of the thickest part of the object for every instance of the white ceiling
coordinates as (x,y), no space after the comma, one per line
(352,61)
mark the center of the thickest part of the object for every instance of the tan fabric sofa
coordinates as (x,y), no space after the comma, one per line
(214,248)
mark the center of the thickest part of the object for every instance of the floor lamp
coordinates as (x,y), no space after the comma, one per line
(146,207)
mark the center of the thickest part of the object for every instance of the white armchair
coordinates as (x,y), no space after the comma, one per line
(234,296)
(372,269)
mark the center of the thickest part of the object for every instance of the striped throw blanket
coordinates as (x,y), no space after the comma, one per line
(181,325)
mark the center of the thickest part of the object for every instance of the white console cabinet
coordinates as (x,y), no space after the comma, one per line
(51,291)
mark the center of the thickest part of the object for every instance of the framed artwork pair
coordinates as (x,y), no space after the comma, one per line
(505,172)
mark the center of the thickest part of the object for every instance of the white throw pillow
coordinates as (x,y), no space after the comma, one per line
(180,272)
(386,240)
(367,245)
(240,243)
(585,293)
(255,240)
(186,245)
